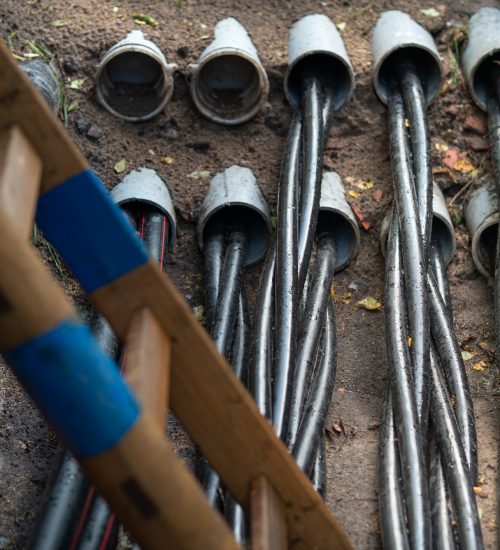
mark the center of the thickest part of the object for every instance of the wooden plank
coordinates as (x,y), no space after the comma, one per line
(30,301)
(147,363)
(21,104)
(217,411)
(20,176)
(154,495)
(267,517)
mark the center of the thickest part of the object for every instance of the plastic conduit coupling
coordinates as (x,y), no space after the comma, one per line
(483,49)
(442,226)
(482,217)
(394,34)
(234,194)
(133,80)
(145,186)
(229,84)
(335,212)
(46,79)
(315,42)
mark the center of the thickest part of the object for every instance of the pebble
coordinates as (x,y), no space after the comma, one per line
(94,132)
(82,124)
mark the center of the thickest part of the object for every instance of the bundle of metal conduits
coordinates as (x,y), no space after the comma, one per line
(481,65)
(428,448)
(291,380)
(72,515)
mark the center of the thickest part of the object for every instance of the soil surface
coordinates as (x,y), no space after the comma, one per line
(182,145)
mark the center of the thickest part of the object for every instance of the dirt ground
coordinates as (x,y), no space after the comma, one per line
(78,33)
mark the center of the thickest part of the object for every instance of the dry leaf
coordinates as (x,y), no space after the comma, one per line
(353,194)
(364,184)
(370,303)
(120,166)
(480,366)
(464,166)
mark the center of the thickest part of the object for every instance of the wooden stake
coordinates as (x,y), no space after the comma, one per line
(267,517)
(20,176)
(147,363)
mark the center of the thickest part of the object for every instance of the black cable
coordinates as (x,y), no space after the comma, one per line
(413,254)
(392,517)
(312,167)
(403,396)
(457,472)
(285,276)
(310,330)
(441,511)
(61,506)
(229,290)
(439,269)
(261,341)
(456,378)
(214,256)
(316,409)
(318,477)
(415,104)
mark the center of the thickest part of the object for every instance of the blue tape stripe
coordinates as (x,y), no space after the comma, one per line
(77,386)
(90,232)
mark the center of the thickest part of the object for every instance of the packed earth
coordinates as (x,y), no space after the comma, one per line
(187,150)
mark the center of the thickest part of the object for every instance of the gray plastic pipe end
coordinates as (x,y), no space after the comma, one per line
(236,188)
(145,186)
(482,218)
(315,41)
(482,48)
(394,33)
(46,79)
(229,84)
(442,227)
(336,212)
(133,80)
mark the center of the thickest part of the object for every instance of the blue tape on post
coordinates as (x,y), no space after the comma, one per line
(90,232)
(77,386)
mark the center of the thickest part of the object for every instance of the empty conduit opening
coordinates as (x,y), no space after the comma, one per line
(133,85)
(228,88)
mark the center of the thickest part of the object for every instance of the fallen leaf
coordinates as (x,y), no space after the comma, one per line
(467,355)
(59,23)
(464,166)
(430,12)
(475,124)
(142,18)
(370,303)
(332,292)
(77,84)
(347,298)
(199,313)
(199,174)
(450,158)
(441,147)
(353,194)
(365,225)
(477,490)
(409,341)
(364,184)
(480,366)
(167,160)
(341,26)
(73,106)
(120,166)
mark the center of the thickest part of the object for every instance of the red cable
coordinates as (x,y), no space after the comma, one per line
(83,517)
(163,234)
(107,532)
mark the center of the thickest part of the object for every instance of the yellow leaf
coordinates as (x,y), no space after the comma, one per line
(167,160)
(353,194)
(481,365)
(364,184)
(332,292)
(120,166)
(464,166)
(370,303)
(409,341)
(441,147)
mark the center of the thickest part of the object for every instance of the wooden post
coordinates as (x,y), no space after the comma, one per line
(20,177)
(267,517)
(147,363)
